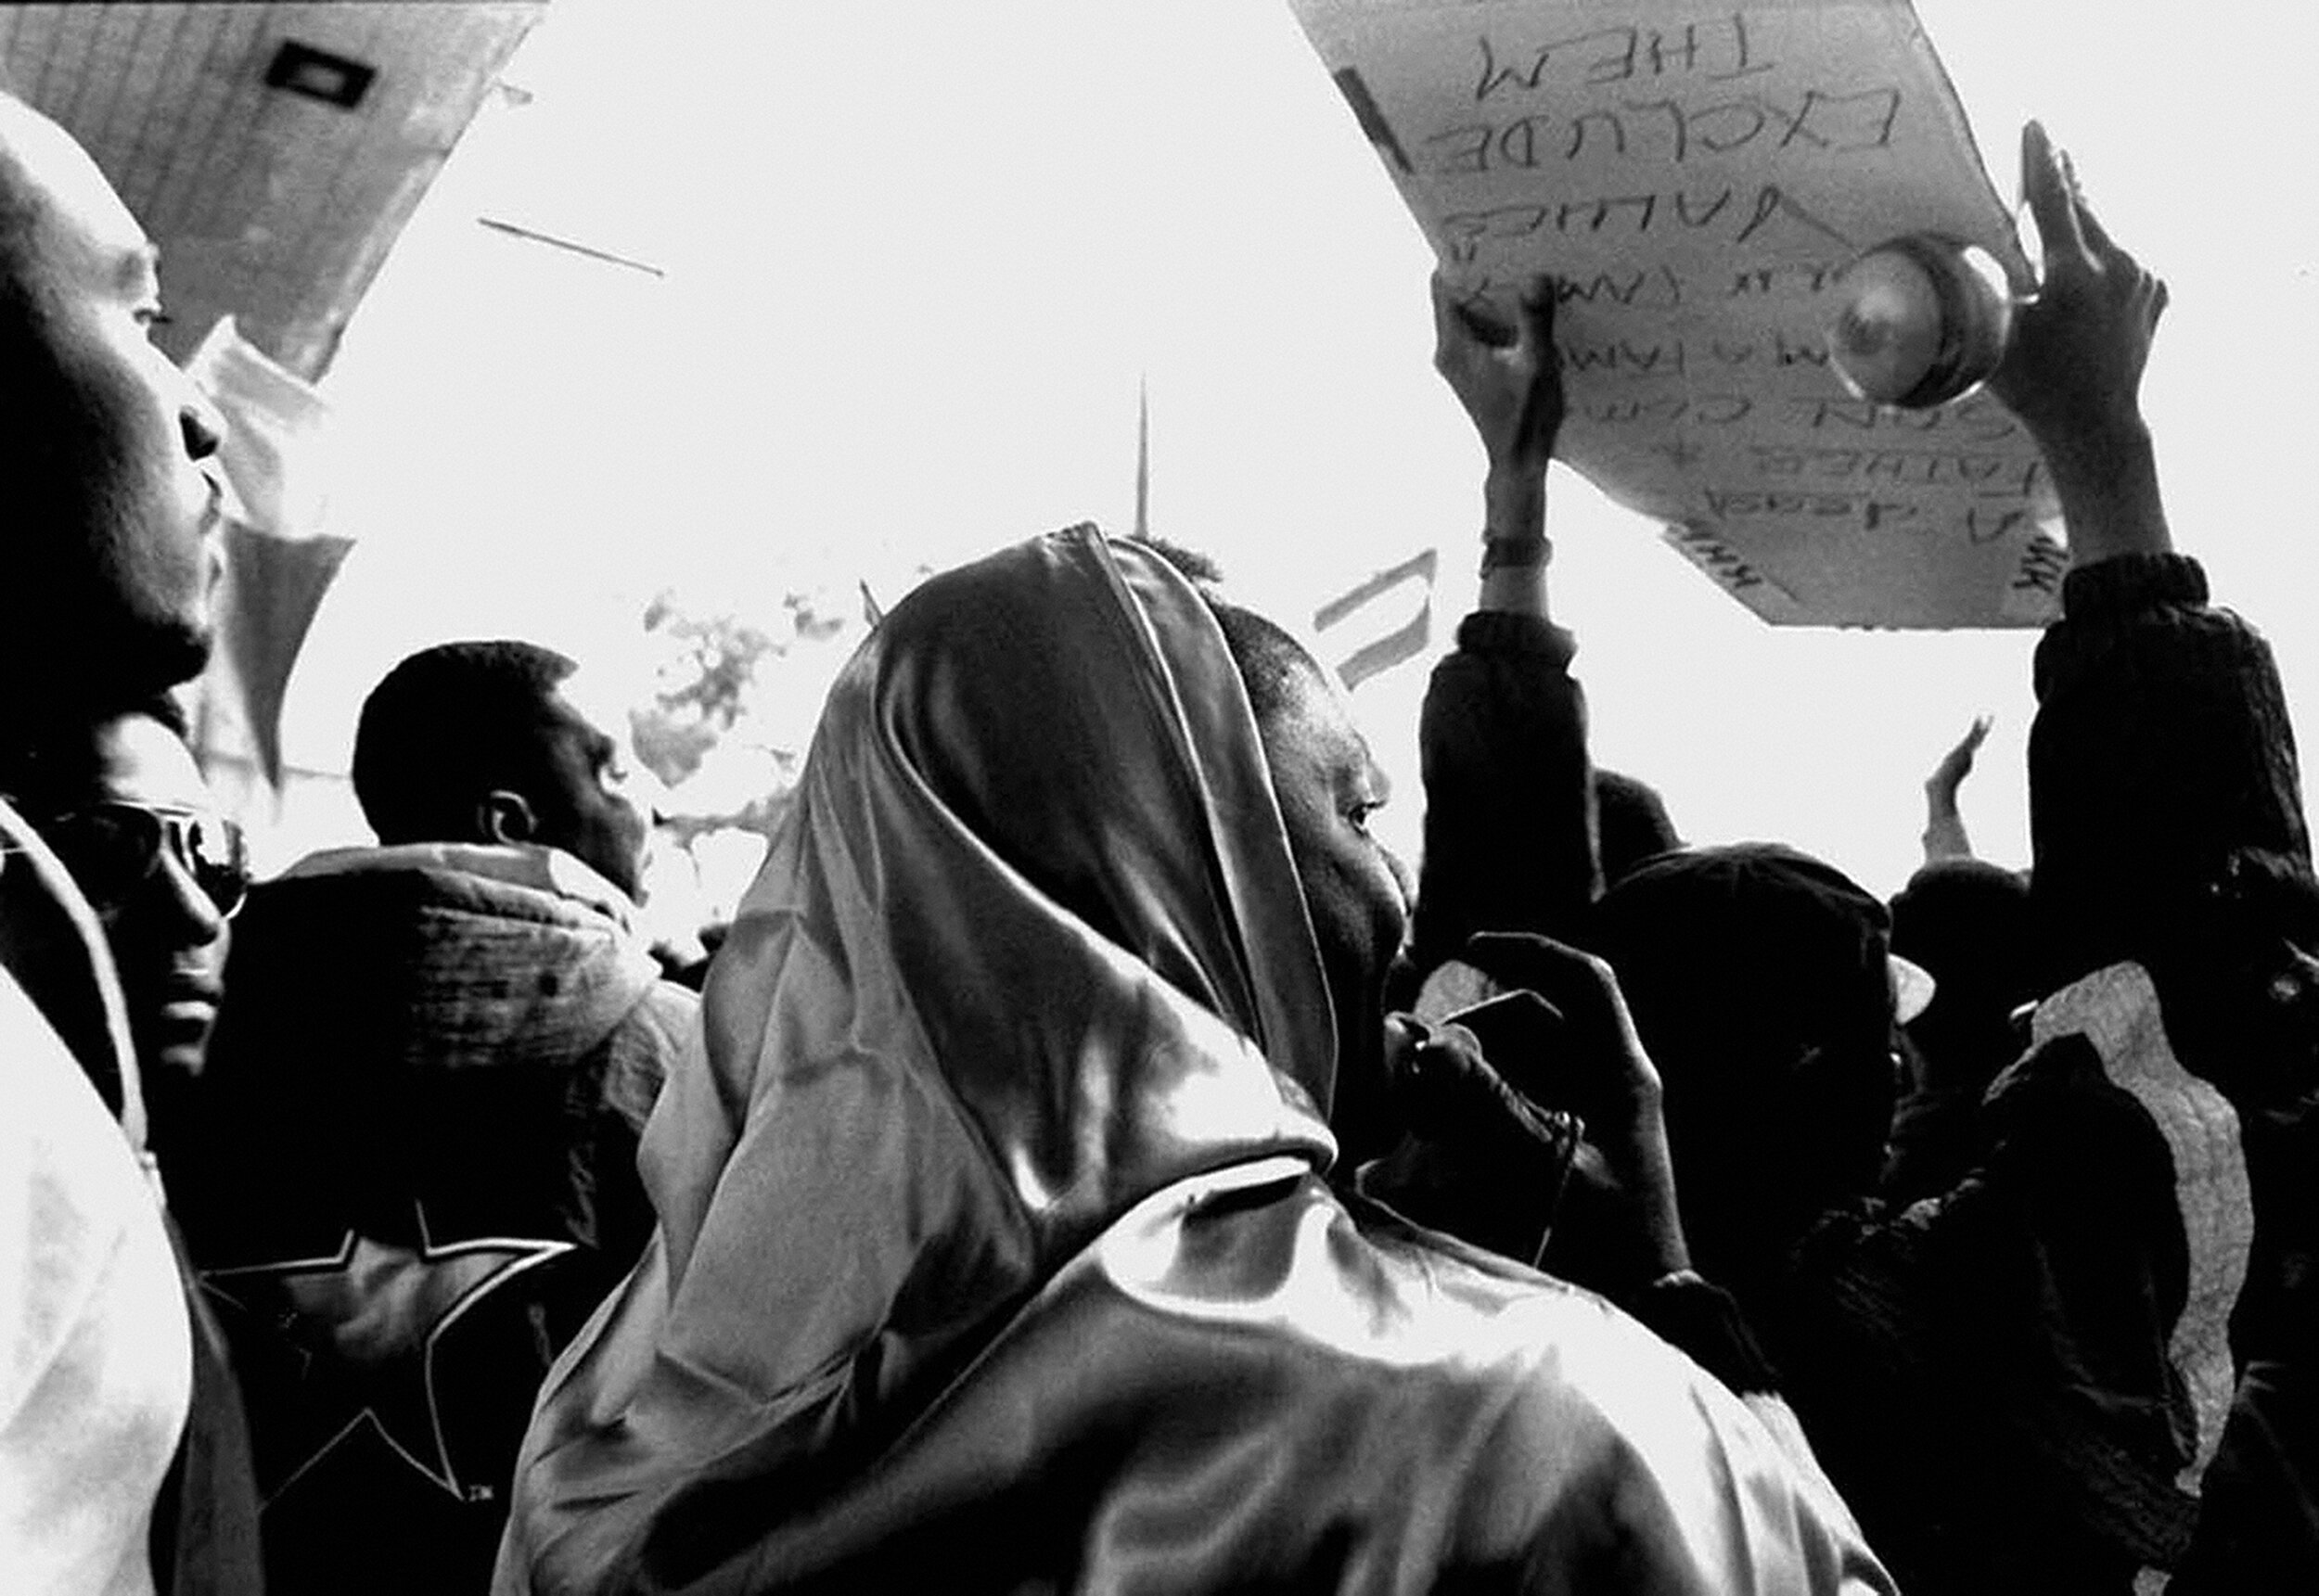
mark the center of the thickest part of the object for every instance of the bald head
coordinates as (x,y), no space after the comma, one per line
(105,448)
(21,199)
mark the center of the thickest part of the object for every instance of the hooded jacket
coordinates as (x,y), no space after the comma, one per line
(96,1355)
(992,1249)
(411,1176)
(124,1461)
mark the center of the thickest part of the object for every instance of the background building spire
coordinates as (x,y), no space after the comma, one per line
(1142,458)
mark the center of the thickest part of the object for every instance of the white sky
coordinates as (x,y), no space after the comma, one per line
(917,256)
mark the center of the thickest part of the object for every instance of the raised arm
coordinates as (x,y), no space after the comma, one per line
(2167,829)
(1509,824)
(1509,379)
(1547,1142)
(2165,805)
(2073,374)
(1945,836)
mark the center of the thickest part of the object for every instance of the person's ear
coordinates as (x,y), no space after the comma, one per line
(504,816)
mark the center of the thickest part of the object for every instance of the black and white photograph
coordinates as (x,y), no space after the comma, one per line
(1147,797)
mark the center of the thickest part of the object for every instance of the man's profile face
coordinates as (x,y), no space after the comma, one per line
(145,844)
(1327,785)
(591,811)
(106,451)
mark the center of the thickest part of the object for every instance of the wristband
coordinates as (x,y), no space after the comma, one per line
(1513,554)
(1677,1280)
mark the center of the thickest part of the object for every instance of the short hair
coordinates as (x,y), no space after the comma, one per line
(1269,660)
(448,725)
(1200,570)
(1271,664)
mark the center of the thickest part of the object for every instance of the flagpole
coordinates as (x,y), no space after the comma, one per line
(1142,458)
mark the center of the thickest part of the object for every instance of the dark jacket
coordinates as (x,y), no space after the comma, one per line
(993,1250)
(1509,814)
(203,1529)
(2166,812)
(1960,1362)
(413,1177)
(2018,1383)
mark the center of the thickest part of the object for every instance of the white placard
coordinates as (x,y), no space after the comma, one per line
(1695,179)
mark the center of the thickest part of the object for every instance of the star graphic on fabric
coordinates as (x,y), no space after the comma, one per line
(371,1317)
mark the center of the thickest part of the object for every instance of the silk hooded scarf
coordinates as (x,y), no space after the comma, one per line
(992,1253)
(1023,954)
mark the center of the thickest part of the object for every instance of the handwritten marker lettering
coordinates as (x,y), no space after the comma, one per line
(1697,183)
(1718,51)
(2044,563)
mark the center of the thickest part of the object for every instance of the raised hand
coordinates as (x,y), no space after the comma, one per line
(2073,370)
(1957,764)
(1480,1161)
(1496,1121)
(1944,824)
(1509,379)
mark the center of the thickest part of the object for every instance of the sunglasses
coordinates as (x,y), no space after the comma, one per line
(113,848)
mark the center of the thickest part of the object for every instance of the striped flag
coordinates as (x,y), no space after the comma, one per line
(1381,621)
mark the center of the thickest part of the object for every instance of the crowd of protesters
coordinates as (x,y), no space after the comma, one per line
(1093,1161)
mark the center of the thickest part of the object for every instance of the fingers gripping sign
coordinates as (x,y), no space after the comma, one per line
(2074,371)
(1509,377)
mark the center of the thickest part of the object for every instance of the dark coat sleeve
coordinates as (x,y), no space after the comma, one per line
(1510,817)
(2168,828)
(2162,765)
(1985,1373)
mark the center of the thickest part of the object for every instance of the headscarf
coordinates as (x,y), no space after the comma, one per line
(1029,947)
(994,1252)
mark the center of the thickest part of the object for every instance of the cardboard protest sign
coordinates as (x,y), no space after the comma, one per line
(1695,179)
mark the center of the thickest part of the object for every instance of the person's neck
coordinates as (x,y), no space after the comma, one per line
(32,732)
(36,702)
